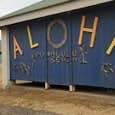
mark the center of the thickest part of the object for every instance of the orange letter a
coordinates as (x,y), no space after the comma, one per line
(16,47)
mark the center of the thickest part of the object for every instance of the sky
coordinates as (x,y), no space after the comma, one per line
(8,6)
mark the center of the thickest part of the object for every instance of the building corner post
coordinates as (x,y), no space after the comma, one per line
(6,82)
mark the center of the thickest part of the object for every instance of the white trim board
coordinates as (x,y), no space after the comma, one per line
(5,57)
(74,4)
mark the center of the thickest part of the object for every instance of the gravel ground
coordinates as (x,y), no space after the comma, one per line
(10,110)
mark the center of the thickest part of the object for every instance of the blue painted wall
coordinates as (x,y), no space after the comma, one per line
(64,63)
(32,65)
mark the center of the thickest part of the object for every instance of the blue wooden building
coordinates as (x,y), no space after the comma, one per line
(64,42)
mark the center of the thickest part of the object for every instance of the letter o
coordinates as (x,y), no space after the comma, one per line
(57,45)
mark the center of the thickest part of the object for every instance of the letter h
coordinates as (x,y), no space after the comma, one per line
(91,30)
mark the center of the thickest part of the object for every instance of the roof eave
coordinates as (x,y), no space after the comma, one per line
(60,8)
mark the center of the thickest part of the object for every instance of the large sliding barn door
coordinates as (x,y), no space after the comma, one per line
(31,63)
(93,67)
(59,50)
(108,48)
(86,69)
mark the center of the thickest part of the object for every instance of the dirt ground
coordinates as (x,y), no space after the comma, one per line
(58,101)
(0,73)
(10,110)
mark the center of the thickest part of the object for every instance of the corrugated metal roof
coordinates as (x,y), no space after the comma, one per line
(36,6)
